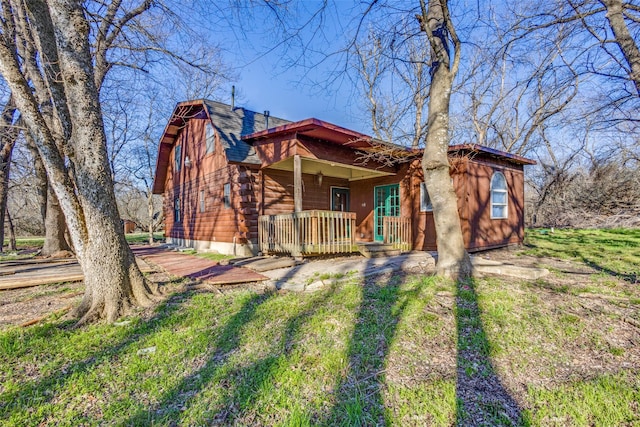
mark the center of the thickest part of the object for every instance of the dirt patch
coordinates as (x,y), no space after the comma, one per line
(19,306)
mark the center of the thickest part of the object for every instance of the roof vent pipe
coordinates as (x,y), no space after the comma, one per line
(266,119)
(233,97)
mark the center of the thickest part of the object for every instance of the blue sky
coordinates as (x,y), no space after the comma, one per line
(267,80)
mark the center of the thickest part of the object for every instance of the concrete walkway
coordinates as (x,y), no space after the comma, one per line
(314,274)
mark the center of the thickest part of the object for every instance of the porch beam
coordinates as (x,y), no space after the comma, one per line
(297,183)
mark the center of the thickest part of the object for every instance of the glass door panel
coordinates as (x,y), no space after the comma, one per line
(386,203)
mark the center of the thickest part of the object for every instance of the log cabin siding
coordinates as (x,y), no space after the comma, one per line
(218,222)
(277,193)
(209,172)
(481,231)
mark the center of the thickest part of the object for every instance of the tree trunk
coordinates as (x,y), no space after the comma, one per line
(113,281)
(150,213)
(55,227)
(624,39)
(42,184)
(453,259)
(8,141)
(112,278)
(5,167)
(13,246)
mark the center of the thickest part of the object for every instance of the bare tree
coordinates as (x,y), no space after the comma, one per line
(435,21)
(75,137)
(9,130)
(397,115)
(617,13)
(142,169)
(601,36)
(511,93)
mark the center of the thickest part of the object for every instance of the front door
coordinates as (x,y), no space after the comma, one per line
(339,199)
(386,203)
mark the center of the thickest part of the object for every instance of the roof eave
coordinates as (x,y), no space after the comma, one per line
(514,158)
(164,147)
(305,125)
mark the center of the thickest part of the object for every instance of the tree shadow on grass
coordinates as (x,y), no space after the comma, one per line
(359,399)
(21,399)
(481,397)
(627,277)
(179,397)
(249,382)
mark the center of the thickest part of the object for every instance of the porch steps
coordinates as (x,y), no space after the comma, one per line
(377,249)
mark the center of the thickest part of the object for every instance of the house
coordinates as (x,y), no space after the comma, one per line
(241,182)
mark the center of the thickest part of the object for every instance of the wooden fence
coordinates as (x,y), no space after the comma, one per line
(307,233)
(397,231)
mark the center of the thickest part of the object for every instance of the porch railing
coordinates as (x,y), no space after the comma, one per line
(307,233)
(397,231)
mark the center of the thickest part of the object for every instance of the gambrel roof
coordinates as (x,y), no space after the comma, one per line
(239,129)
(232,124)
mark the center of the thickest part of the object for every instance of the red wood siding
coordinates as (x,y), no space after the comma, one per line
(472,180)
(208,173)
(284,147)
(278,192)
(481,231)
(362,200)
(268,191)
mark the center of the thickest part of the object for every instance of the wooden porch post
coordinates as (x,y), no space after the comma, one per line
(297,204)
(297,183)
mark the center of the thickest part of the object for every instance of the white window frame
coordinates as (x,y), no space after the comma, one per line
(226,195)
(202,201)
(209,139)
(505,191)
(177,153)
(425,199)
(176,209)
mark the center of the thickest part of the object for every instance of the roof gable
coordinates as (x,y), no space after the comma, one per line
(233,124)
(230,123)
(238,128)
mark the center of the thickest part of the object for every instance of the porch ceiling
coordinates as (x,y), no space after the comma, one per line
(332,169)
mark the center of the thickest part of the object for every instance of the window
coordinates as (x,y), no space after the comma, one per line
(176,209)
(178,157)
(210,138)
(227,195)
(202,201)
(499,209)
(425,200)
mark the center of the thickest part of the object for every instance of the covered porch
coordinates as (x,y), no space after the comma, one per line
(333,228)
(322,192)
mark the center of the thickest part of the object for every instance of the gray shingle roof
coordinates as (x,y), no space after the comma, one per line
(233,124)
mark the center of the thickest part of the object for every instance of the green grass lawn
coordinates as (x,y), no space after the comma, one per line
(611,251)
(143,238)
(399,350)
